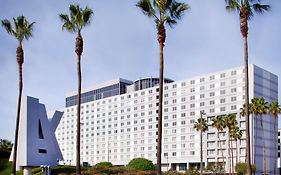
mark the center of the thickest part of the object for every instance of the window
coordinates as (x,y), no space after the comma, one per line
(233,81)
(233,98)
(212,86)
(174,86)
(222,83)
(202,103)
(192,89)
(222,109)
(202,88)
(222,75)
(202,95)
(212,94)
(233,90)
(192,153)
(192,105)
(233,107)
(192,121)
(192,97)
(233,72)
(192,82)
(222,100)
(222,92)
(174,153)
(183,84)
(212,102)
(212,77)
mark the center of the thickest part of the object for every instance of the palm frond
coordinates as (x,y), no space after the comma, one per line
(177,9)
(67,24)
(29,29)
(147,9)
(261,8)
(160,5)
(8,27)
(86,15)
(232,5)
(171,22)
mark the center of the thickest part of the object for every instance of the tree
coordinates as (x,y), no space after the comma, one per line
(22,30)
(5,145)
(141,164)
(230,123)
(219,124)
(236,134)
(79,18)
(202,126)
(245,8)
(162,12)
(259,107)
(274,110)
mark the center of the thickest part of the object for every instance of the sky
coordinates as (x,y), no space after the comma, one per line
(122,42)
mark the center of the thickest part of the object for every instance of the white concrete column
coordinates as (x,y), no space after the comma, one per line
(27,171)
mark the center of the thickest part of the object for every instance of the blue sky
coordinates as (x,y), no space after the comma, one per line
(121,42)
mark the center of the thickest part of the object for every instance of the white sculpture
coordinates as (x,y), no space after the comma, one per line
(37,143)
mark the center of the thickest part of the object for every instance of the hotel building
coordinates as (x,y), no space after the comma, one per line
(119,120)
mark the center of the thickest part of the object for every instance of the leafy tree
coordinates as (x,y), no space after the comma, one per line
(22,30)
(141,164)
(241,168)
(162,12)
(246,9)
(215,168)
(274,110)
(103,164)
(5,145)
(79,18)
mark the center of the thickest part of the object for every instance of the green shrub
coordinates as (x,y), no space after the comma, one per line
(63,169)
(192,171)
(215,168)
(103,165)
(105,170)
(141,164)
(241,168)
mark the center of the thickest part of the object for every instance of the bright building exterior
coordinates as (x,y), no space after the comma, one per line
(119,120)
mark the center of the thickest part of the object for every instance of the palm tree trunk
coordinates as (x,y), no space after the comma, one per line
(263,147)
(244,31)
(256,138)
(20,60)
(275,146)
(201,149)
(161,40)
(221,152)
(236,152)
(229,153)
(78,50)
(232,162)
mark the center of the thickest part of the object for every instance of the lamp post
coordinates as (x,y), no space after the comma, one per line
(201,142)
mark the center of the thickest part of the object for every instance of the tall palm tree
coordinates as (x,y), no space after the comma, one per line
(22,30)
(274,110)
(78,19)
(230,123)
(245,9)
(162,12)
(219,124)
(260,109)
(202,126)
(236,134)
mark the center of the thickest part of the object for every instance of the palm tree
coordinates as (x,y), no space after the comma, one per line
(202,126)
(78,19)
(253,110)
(236,134)
(274,110)
(259,107)
(230,123)
(219,124)
(246,9)
(5,145)
(22,30)
(162,12)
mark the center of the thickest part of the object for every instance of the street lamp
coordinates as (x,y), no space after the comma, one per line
(201,144)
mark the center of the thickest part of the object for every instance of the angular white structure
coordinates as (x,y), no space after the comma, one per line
(37,143)
(119,119)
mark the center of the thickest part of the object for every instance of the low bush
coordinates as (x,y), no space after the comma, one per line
(63,170)
(103,165)
(241,168)
(141,164)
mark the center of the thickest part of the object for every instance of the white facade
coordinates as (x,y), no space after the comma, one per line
(122,127)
